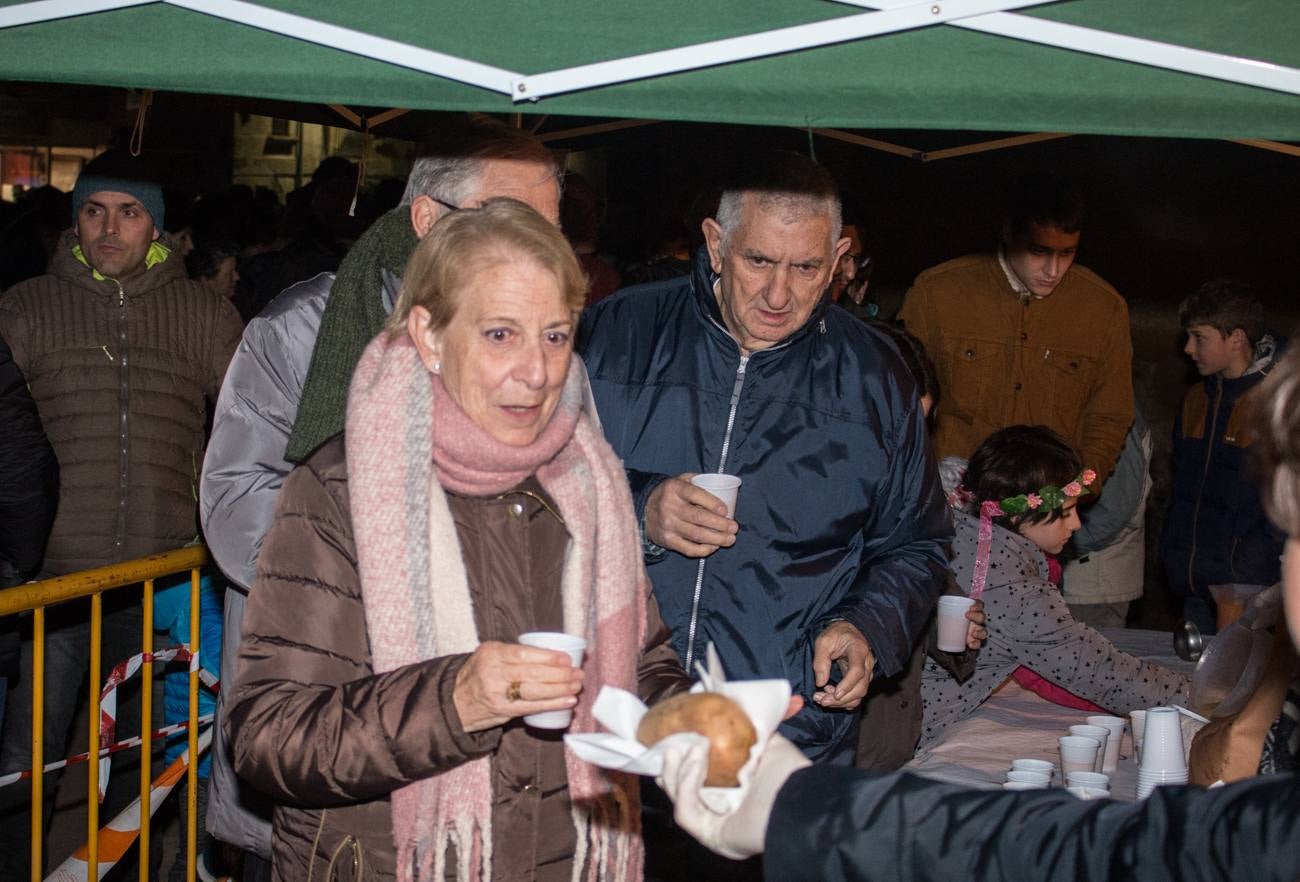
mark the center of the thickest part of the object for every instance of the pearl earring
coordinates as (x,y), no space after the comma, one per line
(437,366)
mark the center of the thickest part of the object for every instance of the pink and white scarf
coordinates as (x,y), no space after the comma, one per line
(406,441)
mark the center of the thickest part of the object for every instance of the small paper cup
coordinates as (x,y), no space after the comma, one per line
(952,623)
(725,487)
(1042,779)
(575,647)
(1022,785)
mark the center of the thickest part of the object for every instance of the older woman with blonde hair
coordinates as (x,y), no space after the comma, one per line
(472,498)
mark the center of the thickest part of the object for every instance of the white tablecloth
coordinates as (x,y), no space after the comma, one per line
(1017,723)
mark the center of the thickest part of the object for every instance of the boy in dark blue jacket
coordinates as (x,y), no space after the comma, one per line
(1215,532)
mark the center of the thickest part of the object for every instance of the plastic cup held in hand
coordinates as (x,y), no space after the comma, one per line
(952,622)
(1042,779)
(1098,732)
(574,646)
(1078,754)
(725,487)
(1115,726)
(1162,742)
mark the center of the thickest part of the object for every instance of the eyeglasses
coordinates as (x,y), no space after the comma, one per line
(445,204)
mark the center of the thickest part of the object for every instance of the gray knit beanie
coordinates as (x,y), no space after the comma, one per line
(118,172)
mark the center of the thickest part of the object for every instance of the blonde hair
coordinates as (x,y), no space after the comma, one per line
(464,242)
(1277,443)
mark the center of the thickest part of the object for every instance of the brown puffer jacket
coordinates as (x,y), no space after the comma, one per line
(120,370)
(315,727)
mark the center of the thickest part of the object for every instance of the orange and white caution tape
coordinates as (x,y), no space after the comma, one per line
(78,759)
(120,834)
(124,671)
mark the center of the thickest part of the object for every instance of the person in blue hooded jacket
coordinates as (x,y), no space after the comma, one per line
(834,558)
(171,607)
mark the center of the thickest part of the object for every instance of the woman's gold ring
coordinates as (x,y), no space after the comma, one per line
(512,691)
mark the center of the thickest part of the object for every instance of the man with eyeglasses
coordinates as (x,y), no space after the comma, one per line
(286,390)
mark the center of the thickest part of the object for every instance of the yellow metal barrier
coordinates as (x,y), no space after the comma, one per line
(36,597)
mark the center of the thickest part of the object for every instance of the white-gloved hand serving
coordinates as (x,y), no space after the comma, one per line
(738,834)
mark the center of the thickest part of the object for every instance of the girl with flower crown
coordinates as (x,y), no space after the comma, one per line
(1014,509)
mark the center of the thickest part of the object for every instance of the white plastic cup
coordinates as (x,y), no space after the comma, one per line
(1042,779)
(1162,742)
(1022,785)
(1115,726)
(1138,719)
(1101,734)
(1148,782)
(1078,754)
(575,647)
(1088,792)
(725,487)
(952,622)
(1033,765)
(1088,779)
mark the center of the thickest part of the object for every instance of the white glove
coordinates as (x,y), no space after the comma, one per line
(739,834)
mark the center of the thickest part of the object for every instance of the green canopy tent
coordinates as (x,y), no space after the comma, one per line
(1183,68)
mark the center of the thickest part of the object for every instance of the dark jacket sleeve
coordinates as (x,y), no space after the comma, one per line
(903,562)
(311,723)
(831,824)
(29,477)
(659,672)
(959,665)
(642,485)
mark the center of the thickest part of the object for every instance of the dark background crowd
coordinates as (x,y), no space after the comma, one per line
(1164,216)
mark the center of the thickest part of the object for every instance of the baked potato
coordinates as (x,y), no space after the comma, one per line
(716,717)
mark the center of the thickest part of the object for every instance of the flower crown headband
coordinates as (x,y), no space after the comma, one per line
(1048,498)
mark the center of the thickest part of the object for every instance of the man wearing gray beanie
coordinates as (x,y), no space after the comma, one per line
(118,212)
(120,350)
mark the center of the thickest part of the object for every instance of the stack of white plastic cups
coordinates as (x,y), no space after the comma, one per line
(1163,760)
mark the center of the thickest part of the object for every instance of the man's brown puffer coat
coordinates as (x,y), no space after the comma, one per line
(120,371)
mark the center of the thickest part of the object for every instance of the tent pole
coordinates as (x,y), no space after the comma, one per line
(48,10)
(782,40)
(597,129)
(986,146)
(1152,53)
(1277,146)
(873,143)
(354,42)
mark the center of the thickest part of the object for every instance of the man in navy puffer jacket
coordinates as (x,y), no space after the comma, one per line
(834,558)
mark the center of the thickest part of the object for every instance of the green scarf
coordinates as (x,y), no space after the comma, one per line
(353,316)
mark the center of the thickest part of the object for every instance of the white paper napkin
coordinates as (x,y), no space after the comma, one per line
(765,702)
